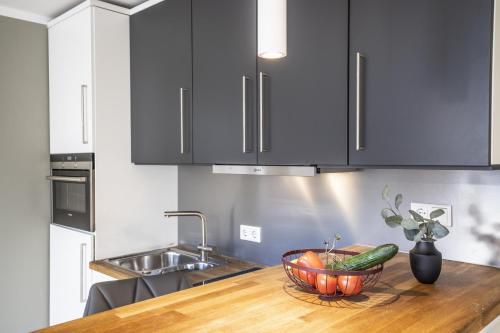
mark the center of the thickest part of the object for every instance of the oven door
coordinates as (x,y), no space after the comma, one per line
(72,198)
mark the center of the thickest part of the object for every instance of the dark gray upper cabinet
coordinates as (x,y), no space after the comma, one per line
(304,104)
(224,81)
(420,92)
(161,83)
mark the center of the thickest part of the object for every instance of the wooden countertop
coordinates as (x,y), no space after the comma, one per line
(232,265)
(464,299)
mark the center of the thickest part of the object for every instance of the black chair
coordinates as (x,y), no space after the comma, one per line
(112,294)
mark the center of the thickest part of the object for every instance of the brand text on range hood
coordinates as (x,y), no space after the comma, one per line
(267,170)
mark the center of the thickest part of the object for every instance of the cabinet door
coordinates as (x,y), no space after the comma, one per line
(303,113)
(161,91)
(70,67)
(224,81)
(70,276)
(424,82)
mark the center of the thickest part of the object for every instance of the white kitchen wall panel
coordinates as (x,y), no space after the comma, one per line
(130,199)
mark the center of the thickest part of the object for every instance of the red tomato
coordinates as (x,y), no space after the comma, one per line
(305,276)
(350,284)
(326,284)
(310,260)
(295,271)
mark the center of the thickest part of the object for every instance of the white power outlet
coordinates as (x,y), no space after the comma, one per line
(425,209)
(250,233)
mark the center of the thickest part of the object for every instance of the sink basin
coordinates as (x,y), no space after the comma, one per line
(161,262)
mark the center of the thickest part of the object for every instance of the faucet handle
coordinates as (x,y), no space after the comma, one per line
(205,248)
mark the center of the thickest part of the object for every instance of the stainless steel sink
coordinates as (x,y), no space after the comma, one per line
(162,261)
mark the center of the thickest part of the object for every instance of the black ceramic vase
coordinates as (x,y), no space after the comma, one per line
(425,262)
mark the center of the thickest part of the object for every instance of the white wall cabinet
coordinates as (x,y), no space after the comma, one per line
(70,276)
(71,84)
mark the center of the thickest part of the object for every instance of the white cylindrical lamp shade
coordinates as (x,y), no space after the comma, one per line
(272,29)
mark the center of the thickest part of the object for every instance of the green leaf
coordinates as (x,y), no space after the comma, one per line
(413,235)
(438,230)
(386,212)
(436,213)
(410,224)
(423,229)
(385,193)
(393,221)
(416,216)
(398,200)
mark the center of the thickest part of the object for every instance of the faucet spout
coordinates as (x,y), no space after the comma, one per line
(204,248)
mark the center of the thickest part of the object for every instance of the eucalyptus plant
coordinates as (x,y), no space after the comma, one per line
(416,227)
(330,246)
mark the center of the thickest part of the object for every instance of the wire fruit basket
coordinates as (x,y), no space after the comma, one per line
(327,283)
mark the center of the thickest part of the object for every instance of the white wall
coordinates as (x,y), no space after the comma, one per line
(130,199)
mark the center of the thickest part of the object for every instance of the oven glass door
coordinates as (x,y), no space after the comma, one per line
(71,196)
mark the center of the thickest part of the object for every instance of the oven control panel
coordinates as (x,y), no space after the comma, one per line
(72,161)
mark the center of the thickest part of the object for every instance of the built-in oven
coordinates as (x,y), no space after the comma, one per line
(72,178)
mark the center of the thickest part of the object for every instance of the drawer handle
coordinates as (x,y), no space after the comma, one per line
(182,93)
(263,123)
(246,146)
(360,112)
(85,134)
(83,273)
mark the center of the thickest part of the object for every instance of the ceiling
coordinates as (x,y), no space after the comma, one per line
(52,8)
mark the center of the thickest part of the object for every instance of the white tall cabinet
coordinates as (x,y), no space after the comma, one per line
(71,84)
(89,50)
(88,74)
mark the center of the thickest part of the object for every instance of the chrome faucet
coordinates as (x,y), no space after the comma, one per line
(204,248)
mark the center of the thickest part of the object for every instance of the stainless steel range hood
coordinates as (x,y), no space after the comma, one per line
(265,170)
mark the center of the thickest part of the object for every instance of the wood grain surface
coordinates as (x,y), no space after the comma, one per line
(464,299)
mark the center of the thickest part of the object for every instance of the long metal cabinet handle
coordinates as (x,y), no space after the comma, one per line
(246,148)
(85,119)
(68,179)
(360,115)
(182,92)
(83,272)
(263,145)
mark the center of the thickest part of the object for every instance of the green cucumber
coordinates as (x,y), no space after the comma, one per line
(368,259)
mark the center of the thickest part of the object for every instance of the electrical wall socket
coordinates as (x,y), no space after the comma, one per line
(425,209)
(250,233)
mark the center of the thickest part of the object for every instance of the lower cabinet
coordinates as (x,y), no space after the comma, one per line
(70,276)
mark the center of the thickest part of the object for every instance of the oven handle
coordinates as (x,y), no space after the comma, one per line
(68,179)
